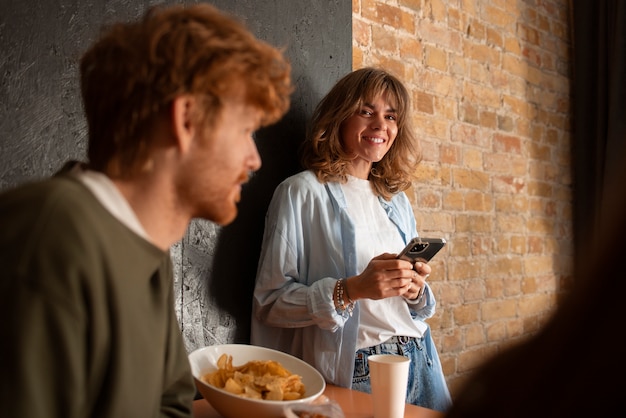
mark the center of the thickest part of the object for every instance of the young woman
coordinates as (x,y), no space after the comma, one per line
(329,288)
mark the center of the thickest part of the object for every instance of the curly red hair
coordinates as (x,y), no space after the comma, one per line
(132,74)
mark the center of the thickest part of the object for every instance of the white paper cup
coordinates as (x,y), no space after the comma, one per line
(389,374)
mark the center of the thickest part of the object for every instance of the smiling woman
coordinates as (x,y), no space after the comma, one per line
(324,151)
(329,288)
(369,133)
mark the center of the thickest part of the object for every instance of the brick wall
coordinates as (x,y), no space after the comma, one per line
(490,83)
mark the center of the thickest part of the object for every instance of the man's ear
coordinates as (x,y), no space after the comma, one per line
(182,125)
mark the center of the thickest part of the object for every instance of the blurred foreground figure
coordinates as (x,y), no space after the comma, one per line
(573,367)
(86,294)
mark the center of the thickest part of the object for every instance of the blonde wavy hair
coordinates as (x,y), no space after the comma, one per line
(323,152)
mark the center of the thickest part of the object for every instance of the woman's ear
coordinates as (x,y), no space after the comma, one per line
(182,121)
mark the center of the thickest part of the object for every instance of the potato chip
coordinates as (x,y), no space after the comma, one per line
(257,379)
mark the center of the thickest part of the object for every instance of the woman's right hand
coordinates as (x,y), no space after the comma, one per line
(385,276)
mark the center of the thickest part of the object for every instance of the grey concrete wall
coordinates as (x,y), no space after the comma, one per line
(41,126)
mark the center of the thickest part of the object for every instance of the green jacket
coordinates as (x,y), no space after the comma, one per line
(88,325)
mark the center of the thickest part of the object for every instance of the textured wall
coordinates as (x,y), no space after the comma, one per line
(491,91)
(41,126)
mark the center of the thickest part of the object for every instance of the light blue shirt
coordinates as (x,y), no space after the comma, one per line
(309,243)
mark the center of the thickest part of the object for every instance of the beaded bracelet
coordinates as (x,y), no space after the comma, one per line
(340,290)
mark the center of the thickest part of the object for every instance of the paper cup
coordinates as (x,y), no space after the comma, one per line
(389,374)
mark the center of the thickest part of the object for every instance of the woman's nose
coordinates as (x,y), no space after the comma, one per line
(378,122)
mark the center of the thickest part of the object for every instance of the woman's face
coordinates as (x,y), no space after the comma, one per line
(369,133)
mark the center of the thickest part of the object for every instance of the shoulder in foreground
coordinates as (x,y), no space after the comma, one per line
(43,191)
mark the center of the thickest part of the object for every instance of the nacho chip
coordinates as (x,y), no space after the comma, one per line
(257,379)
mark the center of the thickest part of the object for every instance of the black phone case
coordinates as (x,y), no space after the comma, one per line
(422,249)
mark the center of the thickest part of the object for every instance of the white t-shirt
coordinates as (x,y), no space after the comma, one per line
(376,234)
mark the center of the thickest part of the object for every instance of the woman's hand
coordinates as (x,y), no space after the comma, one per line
(421,271)
(386,276)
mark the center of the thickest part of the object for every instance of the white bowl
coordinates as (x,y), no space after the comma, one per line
(204,360)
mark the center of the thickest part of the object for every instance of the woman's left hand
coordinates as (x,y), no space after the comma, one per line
(421,271)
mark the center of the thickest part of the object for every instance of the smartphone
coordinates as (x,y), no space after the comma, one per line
(422,249)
